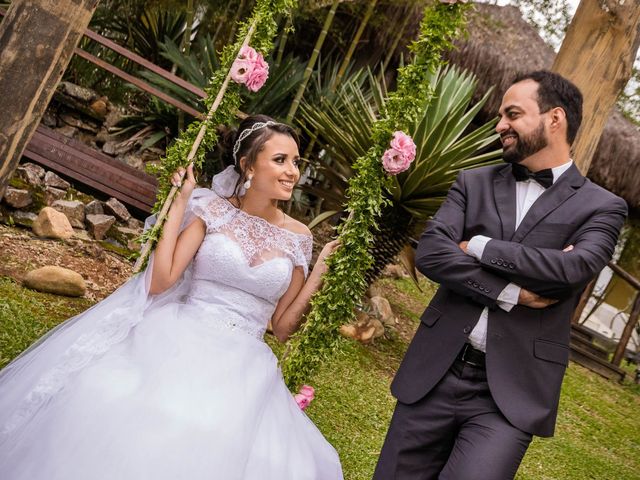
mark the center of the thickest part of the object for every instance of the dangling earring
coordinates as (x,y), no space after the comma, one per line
(247,184)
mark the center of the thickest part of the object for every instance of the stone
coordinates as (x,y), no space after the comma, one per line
(51,223)
(52,194)
(36,169)
(114,116)
(78,123)
(394,271)
(17,198)
(374,290)
(98,225)
(109,147)
(79,93)
(67,131)
(364,330)
(94,207)
(116,208)
(30,173)
(81,234)
(135,224)
(381,308)
(49,119)
(132,159)
(57,280)
(99,107)
(53,180)
(73,209)
(25,219)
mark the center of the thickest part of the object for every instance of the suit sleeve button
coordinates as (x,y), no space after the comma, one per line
(493,261)
(475,284)
(467,329)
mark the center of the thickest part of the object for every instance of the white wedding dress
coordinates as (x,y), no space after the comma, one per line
(176,386)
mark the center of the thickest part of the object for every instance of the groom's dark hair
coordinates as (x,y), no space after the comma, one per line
(556,91)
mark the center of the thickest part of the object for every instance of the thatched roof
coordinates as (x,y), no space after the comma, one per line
(500,44)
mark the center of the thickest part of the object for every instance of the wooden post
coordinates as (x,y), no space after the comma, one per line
(584,298)
(597,54)
(618,355)
(37,40)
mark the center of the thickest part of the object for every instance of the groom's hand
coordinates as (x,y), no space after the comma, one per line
(463,246)
(533,300)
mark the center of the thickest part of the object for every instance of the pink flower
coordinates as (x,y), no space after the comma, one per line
(259,75)
(403,143)
(304,397)
(249,53)
(241,70)
(398,158)
(250,69)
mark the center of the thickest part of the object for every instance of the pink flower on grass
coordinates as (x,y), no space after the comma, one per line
(250,69)
(398,158)
(304,397)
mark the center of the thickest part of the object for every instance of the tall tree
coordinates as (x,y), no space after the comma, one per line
(37,39)
(597,54)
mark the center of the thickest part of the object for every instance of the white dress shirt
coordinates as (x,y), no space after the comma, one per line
(527,192)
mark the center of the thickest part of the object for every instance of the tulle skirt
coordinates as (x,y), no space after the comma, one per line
(180,397)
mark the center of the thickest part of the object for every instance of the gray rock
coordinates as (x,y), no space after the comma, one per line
(94,207)
(109,147)
(67,131)
(49,119)
(52,224)
(17,198)
(382,309)
(98,225)
(135,224)
(31,173)
(52,194)
(73,209)
(53,180)
(132,159)
(81,234)
(36,169)
(25,219)
(77,92)
(78,123)
(57,280)
(114,207)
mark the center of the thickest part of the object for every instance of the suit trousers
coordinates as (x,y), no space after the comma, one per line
(456,432)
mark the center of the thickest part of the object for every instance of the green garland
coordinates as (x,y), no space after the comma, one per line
(264,17)
(344,283)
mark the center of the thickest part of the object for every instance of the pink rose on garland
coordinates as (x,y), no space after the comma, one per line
(304,397)
(398,158)
(250,69)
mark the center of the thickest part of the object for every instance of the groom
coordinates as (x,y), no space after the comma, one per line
(513,247)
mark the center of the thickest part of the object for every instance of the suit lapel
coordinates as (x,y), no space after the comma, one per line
(552,198)
(504,194)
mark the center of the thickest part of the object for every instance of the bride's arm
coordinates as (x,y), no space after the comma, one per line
(295,302)
(175,250)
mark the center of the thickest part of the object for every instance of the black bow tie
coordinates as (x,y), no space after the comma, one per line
(522,173)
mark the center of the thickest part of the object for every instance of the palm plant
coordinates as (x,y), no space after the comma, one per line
(446,142)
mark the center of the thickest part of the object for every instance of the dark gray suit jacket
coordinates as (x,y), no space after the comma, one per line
(527,349)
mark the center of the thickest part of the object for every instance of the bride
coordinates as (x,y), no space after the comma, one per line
(169,377)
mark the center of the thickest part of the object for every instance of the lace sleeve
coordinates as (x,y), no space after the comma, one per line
(304,252)
(213,210)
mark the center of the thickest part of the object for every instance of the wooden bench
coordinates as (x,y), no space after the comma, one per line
(83,164)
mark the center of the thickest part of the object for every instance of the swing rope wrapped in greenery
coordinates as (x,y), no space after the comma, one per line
(345,283)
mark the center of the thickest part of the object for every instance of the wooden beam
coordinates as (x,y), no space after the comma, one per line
(618,355)
(37,41)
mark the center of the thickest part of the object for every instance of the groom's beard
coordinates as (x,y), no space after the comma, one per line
(525,146)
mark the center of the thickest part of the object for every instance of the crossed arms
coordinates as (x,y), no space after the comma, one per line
(547,272)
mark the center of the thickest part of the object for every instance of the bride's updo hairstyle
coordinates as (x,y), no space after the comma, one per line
(248,141)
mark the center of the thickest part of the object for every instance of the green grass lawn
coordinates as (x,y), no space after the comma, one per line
(598,432)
